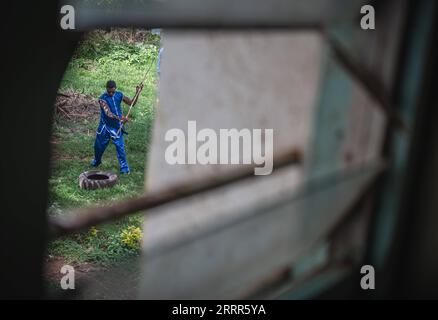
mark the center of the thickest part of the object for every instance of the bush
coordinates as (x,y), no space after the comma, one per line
(131,237)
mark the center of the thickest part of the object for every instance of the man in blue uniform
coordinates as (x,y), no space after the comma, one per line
(111,120)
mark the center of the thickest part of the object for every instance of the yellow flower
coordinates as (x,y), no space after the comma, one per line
(93,231)
(131,236)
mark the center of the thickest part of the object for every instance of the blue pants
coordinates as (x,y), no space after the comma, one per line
(102,140)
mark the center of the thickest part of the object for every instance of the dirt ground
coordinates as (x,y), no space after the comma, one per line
(93,282)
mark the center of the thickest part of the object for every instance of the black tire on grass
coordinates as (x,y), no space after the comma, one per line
(92,180)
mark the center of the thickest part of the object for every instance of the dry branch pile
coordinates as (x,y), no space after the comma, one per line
(74,105)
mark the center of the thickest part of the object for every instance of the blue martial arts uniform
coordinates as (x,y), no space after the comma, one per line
(107,130)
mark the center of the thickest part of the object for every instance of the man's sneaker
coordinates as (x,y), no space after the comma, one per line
(94,163)
(124,171)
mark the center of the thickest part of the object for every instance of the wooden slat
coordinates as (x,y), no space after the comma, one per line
(201,256)
(80,219)
(215,13)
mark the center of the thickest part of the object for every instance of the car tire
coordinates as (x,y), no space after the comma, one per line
(93,179)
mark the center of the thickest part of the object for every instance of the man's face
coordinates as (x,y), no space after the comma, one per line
(111,91)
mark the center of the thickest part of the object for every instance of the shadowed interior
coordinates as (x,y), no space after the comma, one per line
(97,176)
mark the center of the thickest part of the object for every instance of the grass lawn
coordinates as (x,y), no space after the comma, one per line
(99,59)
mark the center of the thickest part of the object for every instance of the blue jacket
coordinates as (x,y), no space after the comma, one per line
(107,123)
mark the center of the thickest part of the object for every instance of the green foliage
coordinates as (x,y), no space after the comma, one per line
(97,60)
(106,246)
(131,237)
(118,45)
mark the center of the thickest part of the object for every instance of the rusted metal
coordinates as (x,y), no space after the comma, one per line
(81,219)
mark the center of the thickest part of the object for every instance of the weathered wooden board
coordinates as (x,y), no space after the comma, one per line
(226,243)
(217,13)
(196,252)
(348,127)
(224,80)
